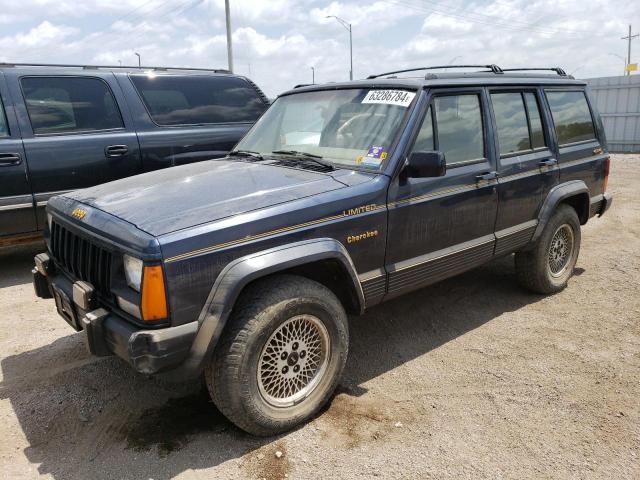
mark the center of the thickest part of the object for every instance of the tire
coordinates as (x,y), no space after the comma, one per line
(249,379)
(547,267)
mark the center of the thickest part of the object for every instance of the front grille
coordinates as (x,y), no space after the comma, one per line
(81,258)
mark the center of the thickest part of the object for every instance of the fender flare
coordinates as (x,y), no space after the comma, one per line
(556,195)
(240,272)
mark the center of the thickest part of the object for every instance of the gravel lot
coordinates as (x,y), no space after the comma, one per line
(470,378)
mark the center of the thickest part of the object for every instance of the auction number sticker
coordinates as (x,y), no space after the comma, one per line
(401,98)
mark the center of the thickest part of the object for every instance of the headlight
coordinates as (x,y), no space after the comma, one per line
(133,271)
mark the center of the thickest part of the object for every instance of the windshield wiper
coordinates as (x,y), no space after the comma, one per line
(245,153)
(306,157)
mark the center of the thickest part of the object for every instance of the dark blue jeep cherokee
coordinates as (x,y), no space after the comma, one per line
(340,197)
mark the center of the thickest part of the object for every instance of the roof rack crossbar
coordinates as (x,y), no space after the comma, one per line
(90,67)
(492,67)
(558,70)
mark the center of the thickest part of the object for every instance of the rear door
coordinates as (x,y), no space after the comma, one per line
(581,151)
(76,132)
(16,202)
(184,118)
(527,165)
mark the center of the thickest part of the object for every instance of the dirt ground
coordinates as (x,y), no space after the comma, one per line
(470,378)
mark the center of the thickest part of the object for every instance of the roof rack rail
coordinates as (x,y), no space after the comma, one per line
(90,67)
(492,67)
(300,85)
(558,70)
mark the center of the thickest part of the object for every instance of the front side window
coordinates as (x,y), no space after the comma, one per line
(70,104)
(350,127)
(198,99)
(4,128)
(458,122)
(571,116)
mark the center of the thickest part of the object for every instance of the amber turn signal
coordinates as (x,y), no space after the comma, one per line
(154,298)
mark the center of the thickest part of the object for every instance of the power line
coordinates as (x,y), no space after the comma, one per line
(489,21)
(493,18)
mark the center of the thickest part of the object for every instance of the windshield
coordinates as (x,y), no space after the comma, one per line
(354,127)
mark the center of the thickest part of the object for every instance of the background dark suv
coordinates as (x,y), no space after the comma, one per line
(68,127)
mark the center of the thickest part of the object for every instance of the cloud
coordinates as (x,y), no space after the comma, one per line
(277,41)
(44,35)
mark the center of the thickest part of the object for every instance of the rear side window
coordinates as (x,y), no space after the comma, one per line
(571,116)
(518,121)
(511,120)
(195,100)
(70,104)
(459,125)
(535,121)
(4,128)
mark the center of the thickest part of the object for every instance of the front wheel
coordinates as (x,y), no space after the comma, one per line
(281,356)
(548,266)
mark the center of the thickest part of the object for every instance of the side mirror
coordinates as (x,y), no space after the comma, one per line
(426,164)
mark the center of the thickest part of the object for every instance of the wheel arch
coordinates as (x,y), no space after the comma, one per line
(574,193)
(306,258)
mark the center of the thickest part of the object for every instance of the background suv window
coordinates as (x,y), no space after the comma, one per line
(571,116)
(198,99)
(70,104)
(4,128)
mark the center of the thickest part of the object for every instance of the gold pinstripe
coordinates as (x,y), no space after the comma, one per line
(248,238)
(515,176)
(437,193)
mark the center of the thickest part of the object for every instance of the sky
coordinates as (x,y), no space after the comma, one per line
(276,42)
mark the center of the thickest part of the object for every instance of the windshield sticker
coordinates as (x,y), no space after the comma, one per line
(376,152)
(374,157)
(389,97)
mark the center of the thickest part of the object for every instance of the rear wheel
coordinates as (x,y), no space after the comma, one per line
(281,356)
(548,266)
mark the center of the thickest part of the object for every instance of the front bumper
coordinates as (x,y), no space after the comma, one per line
(148,351)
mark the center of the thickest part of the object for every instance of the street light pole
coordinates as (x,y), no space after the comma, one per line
(229,47)
(139,61)
(347,25)
(624,61)
(313,76)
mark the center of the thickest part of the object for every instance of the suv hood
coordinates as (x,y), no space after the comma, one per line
(180,197)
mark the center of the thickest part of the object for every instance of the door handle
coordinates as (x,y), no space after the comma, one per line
(486,177)
(549,162)
(113,151)
(10,159)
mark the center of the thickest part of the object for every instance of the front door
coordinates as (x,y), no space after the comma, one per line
(16,202)
(439,227)
(74,133)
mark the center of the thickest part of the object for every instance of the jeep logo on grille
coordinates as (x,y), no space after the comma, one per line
(79,213)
